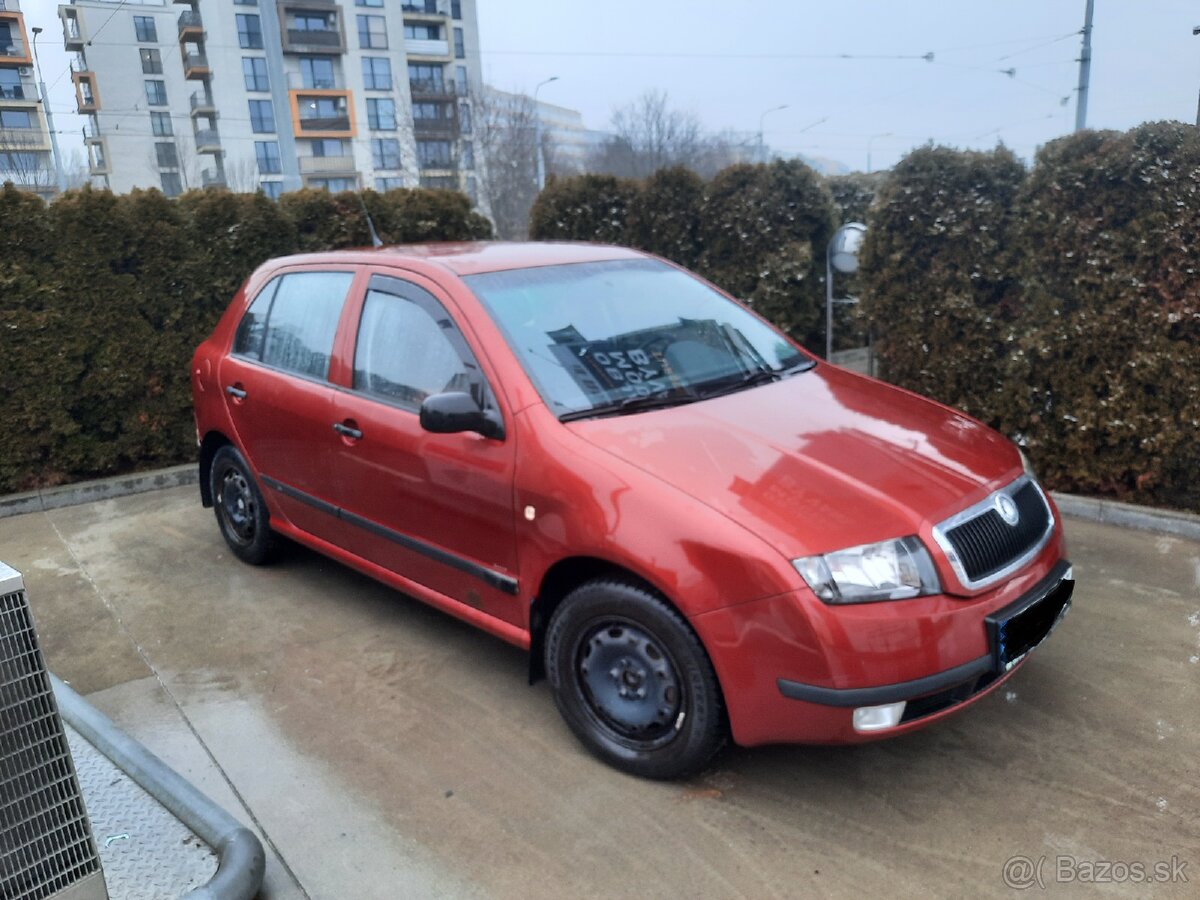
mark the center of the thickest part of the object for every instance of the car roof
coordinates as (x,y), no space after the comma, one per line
(470,257)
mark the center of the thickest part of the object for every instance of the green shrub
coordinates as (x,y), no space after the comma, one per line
(583,208)
(1109,336)
(937,275)
(103,299)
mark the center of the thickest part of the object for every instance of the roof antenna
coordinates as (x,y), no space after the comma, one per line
(375,241)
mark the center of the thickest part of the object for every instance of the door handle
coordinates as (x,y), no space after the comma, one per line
(236,392)
(347,431)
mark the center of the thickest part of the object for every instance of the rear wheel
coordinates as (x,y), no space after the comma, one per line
(241,513)
(633,681)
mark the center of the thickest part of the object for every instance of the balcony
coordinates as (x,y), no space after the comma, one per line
(208,141)
(442,128)
(327,165)
(15,50)
(17,140)
(195,66)
(433,90)
(202,105)
(191,26)
(302,41)
(212,178)
(322,114)
(87,96)
(17,92)
(296,83)
(416,47)
(73,38)
(423,12)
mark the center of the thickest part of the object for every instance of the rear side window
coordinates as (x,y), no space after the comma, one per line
(405,350)
(292,322)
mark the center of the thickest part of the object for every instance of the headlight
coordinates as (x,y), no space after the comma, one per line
(889,570)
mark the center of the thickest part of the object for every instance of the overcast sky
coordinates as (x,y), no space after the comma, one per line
(847,70)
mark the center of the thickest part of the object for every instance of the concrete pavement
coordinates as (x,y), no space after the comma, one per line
(384,750)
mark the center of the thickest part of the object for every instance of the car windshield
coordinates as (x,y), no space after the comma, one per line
(625,335)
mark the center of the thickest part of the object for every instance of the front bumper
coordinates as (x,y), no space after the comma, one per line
(793,669)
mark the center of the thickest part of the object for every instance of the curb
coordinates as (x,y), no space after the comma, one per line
(1109,512)
(102,489)
(1127,515)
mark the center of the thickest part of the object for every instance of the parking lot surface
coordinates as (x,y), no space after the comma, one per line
(385,750)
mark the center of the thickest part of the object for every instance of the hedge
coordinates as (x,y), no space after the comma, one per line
(1060,305)
(103,299)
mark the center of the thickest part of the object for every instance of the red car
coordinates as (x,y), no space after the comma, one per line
(696,529)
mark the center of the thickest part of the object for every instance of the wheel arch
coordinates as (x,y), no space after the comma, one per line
(212,442)
(558,581)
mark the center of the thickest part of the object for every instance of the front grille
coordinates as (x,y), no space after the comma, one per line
(46,843)
(985,544)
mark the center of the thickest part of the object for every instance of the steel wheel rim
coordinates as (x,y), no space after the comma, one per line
(629,684)
(238,507)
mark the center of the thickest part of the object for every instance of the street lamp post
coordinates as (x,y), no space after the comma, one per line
(59,177)
(761,148)
(1196,31)
(841,254)
(537,114)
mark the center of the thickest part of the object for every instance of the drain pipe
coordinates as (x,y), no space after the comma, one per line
(240,859)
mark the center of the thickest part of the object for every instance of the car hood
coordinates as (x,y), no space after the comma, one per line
(822,460)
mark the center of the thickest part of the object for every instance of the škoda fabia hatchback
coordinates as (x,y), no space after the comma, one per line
(696,529)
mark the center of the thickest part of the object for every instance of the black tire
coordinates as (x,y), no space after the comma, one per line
(241,511)
(633,681)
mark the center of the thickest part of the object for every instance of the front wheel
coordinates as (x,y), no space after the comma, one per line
(633,681)
(241,513)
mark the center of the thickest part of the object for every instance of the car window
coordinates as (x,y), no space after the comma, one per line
(407,349)
(292,323)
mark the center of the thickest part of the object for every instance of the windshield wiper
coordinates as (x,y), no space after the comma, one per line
(659,399)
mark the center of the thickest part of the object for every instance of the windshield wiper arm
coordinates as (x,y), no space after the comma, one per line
(656,400)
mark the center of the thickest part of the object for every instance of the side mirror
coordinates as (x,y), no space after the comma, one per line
(456,411)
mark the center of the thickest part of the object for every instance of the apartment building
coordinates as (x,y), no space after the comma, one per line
(276,94)
(25,146)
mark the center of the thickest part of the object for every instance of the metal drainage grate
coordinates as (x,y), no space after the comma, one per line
(46,844)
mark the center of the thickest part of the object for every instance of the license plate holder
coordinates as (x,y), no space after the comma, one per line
(1018,628)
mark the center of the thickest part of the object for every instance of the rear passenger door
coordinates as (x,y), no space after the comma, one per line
(276,387)
(435,508)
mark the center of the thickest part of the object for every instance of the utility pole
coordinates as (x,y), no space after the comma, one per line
(60,179)
(1085,70)
(1196,31)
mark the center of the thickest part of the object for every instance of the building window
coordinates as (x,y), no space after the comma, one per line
(423,32)
(267,155)
(468,155)
(377,73)
(333,185)
(156,92)
(310,22)
(372,33)
(381,114)
(456,10)
(167,157)
(172,184)
(262,117)
(271,188)
(254,70)
(10,85)
(317,72)
(389,183)
(372,3)
(464,118)
(460,50)
(460,79)
(143,27)
(151,62)
(160,124)
(327,147)
(434,154)
(245,2)
(249,29)
(385,153)
(15,118)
